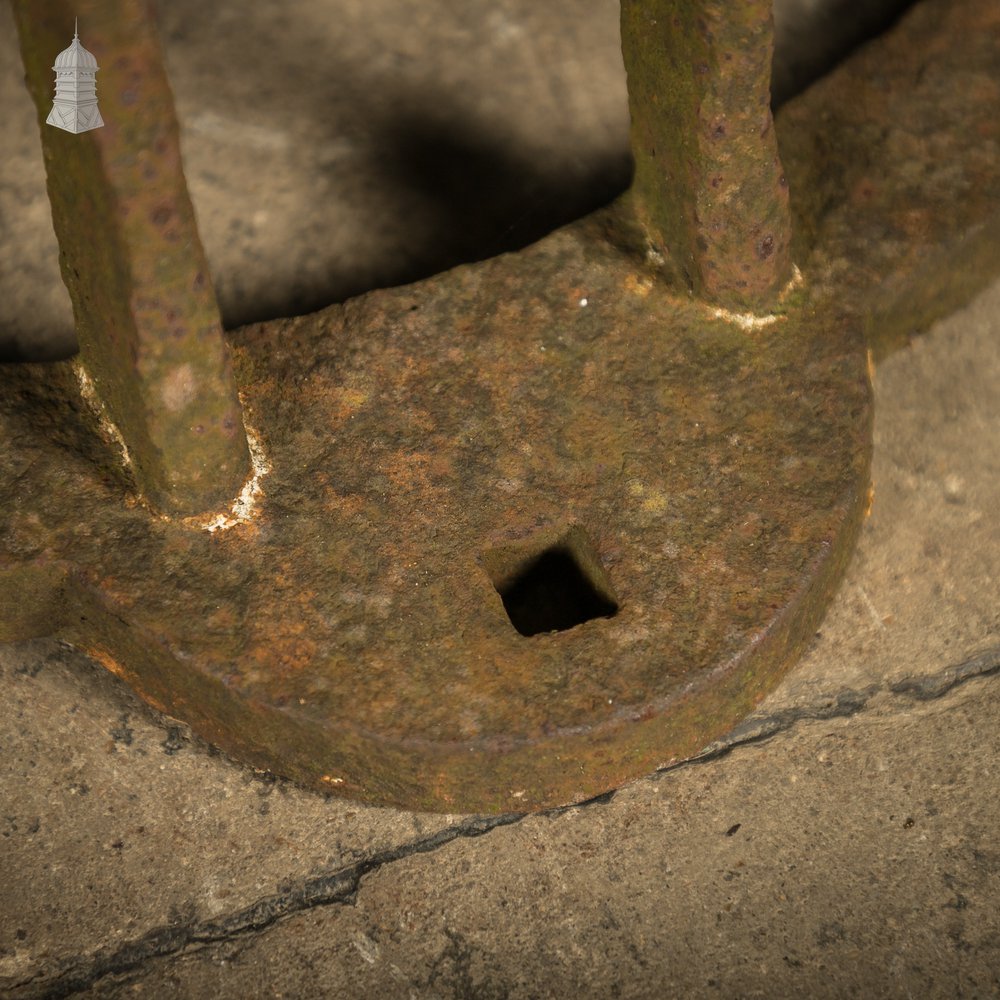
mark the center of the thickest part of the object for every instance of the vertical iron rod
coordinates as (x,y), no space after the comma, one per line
(151,339)
(709,190)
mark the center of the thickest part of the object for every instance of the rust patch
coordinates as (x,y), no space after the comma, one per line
(384,615)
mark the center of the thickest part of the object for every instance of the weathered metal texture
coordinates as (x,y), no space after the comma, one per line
(427,445)
(709,189)
(151,340)
(893,161)
(694,486)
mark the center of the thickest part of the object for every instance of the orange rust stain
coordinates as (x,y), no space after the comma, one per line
(591,381)
(410,470)
(282,626)
(346,504)
(109,663)
(750,528)
(113,666)
(440,784)
(798,533)
(222,619)
(123,597)
(283,655)
(295,656)
(245,531)
(421,420)
(869,500)
(339,402)
(509,313)
(441,465)
(636,284)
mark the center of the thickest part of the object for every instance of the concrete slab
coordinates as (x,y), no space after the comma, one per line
(845,857)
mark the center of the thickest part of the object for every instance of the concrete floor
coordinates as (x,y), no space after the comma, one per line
(841,842)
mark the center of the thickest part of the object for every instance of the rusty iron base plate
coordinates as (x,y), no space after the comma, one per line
(532,528)
(549,427)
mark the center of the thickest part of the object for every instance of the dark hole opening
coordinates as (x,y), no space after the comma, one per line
(553,593)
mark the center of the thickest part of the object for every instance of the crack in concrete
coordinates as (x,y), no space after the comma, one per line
(757,729)
(77,974)
(983,664)
(342,886)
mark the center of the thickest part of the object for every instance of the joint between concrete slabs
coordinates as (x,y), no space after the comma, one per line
(341,886)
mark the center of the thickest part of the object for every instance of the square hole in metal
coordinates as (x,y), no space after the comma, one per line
(551,582)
